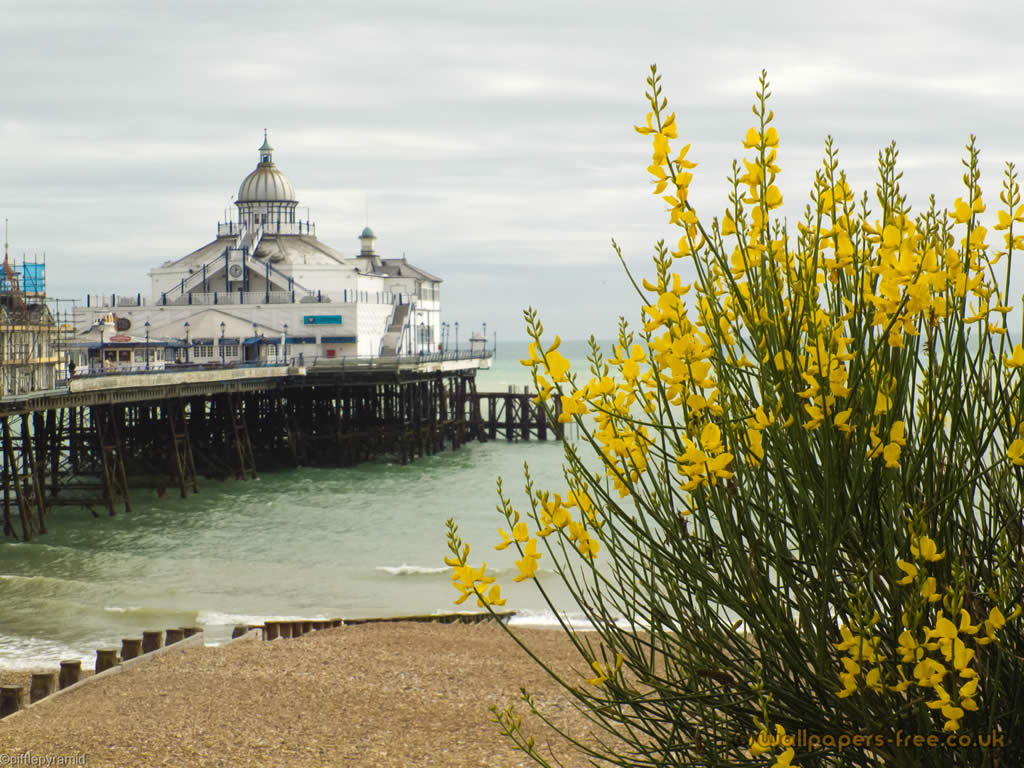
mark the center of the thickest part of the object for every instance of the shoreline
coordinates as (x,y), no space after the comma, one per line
(221,634)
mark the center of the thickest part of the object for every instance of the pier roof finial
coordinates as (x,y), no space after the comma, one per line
(266,150)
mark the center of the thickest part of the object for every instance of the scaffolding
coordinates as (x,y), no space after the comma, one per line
(31,357)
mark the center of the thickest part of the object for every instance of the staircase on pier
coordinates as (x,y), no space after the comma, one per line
(393,336)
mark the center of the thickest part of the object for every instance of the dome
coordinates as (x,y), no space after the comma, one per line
(266,184)
(367,232)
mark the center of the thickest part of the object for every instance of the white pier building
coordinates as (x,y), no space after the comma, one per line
(266,289)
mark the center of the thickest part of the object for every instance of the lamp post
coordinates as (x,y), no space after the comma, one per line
(422,337)
(444,333)
(101,346)
(222,342)
(485,339)
(147,345)
(186,341)
(256,339)
(284,343)
(456,337)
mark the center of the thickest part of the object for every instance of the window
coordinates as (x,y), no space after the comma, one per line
(230,350)
(203,350)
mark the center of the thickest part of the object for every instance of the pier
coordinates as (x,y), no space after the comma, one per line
(88,442)
(262,350)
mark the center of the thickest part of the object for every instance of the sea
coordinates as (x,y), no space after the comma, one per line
(356,542)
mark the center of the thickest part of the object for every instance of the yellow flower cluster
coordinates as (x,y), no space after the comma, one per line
(467,579)
(707,462)
(862,656)
(935,653)
(552,515)
(555,515)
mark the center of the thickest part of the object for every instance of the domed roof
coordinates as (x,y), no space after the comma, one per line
(367,232)
(266,183)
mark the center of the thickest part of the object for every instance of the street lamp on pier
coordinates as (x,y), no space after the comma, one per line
(456,337)
(186,341)
(284,343)
(147,345)
(485,339)
(422,337)
(222,342)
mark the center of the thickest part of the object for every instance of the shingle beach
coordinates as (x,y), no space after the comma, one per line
(401,694)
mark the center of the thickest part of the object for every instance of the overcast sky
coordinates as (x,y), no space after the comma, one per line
(494,141)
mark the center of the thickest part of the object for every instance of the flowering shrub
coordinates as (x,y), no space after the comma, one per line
(794,513)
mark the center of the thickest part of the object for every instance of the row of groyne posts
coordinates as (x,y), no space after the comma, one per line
(88,449)
(14,698)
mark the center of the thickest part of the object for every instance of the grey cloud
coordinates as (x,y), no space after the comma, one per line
(495,141)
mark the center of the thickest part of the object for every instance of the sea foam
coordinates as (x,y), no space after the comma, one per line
(409,570)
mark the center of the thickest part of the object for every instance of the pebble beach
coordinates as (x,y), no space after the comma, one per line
(394,694)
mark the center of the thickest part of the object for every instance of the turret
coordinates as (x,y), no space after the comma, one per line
(366,241)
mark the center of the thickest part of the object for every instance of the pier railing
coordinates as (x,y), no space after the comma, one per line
(354,362)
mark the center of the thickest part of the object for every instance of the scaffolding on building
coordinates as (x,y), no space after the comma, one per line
(31,348)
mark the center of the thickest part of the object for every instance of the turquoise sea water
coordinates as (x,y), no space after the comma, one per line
(353,542)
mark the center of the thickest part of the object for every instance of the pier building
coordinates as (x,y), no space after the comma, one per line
(267,289)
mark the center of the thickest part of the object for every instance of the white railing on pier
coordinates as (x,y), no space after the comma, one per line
(361,362)
(113,300)
(247,297)
(298,296)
